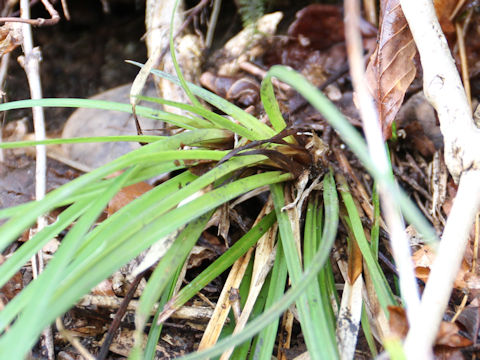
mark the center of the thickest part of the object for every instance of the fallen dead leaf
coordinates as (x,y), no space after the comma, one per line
(126,195)
(11,288)
(423,260)
(398,322)
(469,318)
(447,336)
(444,9)
(318,26)
(10,37)
(391,68)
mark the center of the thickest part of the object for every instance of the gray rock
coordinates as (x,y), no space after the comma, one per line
(93,122)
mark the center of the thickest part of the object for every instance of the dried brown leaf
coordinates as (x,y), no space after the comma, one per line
(448,336)
(355,262)
(444,10)
(423,260)
(11,288)
(10,37)
(318,26)
(126,195)
(448,333)
(391,68)
(398,321)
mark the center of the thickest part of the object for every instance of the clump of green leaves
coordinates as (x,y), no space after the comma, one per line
(88,254)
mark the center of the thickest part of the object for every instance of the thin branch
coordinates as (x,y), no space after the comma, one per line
(118,317)
(443,272)
(212,23)
(3,74)
(376,146)
(54,17)
(31,64)
(444,90)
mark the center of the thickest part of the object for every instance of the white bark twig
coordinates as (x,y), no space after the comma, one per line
(3,74)
(373,134)
(31,64)
(443,88)
(54,17)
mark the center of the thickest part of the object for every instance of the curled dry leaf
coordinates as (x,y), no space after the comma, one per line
(391,68)
(10,37)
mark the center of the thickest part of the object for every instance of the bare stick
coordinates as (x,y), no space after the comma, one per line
(213,23)
(376,146)
(30,62)
(437,292)
(115,325)
(3,74)
(54,17)
(444,90)
(462,52)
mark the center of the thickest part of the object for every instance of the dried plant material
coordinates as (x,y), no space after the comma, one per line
(11,288)
(398,322)
(466,277)
(222,309)
(419,121)
(348,320)
(355,262)
(444,10)
(447,334)
(10,37)
(246,45)
(469,318)
(198,255)
(318,26)
(264,258)
(285,335)
(126,195)
(423,260)
(123,342)
(438,175)
(414,237)
(105,288)
(391,69)
(82,324)
(244,91)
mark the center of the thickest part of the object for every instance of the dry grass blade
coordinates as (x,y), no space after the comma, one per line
(264,257)
(233,281)
(391,68)
(215,325)
(348,322)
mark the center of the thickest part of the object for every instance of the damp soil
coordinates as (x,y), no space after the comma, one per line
(83,56)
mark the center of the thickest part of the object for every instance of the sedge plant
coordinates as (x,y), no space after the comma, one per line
(170,215)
